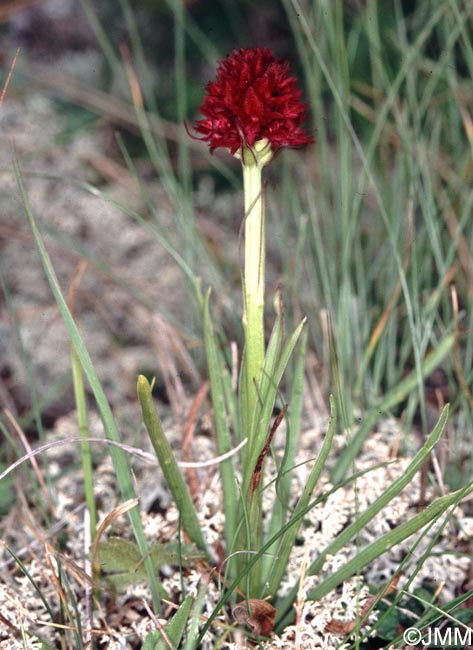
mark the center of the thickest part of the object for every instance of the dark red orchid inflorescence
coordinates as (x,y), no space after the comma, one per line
(254,98)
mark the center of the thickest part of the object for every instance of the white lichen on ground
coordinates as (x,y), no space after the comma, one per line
(127,620)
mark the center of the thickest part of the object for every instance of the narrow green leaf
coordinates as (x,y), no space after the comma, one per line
(232,404)
(263,413)
(119,458)
(168,464)
(174,629)
(393,490)
(268,400)
(273,353)
(294,520)
(287,541)
(249,567)
(86,453)
(37,587)
(252,421)
(224,442)
(151,640)
(176,626)
(283,485)
(387,541)
(396,395)
(197,610)
(284,480)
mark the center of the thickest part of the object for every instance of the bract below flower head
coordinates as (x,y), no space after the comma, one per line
(253,98)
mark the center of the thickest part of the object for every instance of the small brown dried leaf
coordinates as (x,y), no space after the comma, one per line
(256,476)
(260,618)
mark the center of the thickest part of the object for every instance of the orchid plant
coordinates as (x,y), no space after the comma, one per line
(253,109)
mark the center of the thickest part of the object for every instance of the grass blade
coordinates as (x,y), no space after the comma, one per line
(396,395)
(122,468)
(287,541)
(395,488)
(224,443)
(390,539)
(86,453)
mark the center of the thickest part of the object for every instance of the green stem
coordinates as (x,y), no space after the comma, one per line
(253,161)
(253,285)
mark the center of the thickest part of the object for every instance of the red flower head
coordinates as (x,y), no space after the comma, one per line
(254,98)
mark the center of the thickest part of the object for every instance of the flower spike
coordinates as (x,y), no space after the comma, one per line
(253,98)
